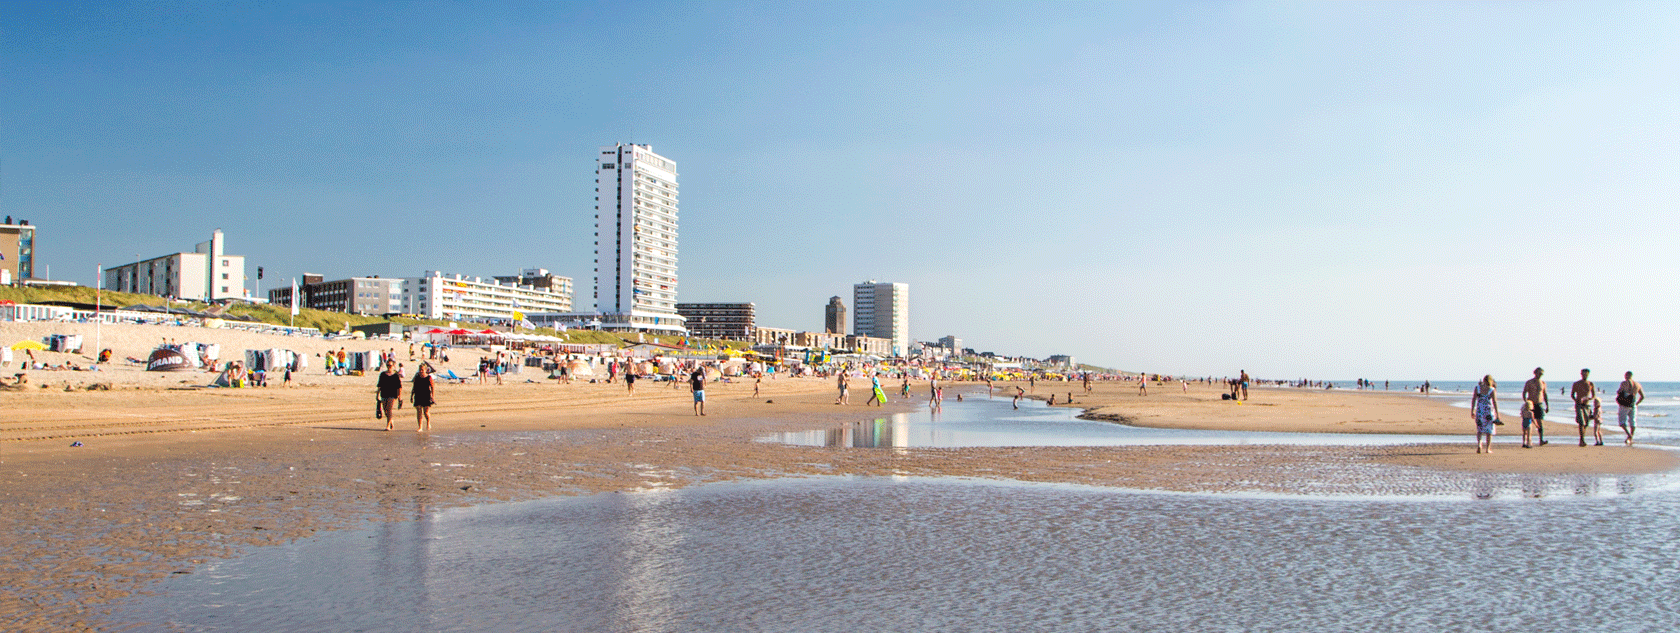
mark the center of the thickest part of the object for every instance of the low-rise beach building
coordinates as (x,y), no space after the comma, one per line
(17,251)
(356,295)
(435,295)
(722,321)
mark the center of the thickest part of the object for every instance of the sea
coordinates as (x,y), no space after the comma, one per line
(1460,552)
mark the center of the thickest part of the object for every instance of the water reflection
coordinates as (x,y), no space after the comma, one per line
(979,422)
(889,432)
(873,554)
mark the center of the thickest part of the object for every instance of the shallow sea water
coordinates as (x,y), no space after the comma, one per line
(979,421)
(920,554)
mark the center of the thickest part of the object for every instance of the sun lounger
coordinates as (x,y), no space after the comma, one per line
(450,375)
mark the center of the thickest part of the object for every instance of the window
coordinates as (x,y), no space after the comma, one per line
(224,275)
(224,263)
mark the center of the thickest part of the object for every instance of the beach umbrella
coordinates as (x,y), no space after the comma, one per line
(459,331)
(435,331)
(29,344)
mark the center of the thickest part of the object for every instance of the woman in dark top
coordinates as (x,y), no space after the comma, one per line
(390,390)
(423,398)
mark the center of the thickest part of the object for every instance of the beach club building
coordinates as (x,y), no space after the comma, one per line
(206,274)
(459,297)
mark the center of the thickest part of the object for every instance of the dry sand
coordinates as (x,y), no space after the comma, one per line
(169,478)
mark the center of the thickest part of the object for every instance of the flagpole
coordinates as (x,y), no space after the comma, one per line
(98,321)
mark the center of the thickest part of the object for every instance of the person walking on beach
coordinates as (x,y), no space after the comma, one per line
(390,390)
(423,401)
(697,384)
(630,382)
(878,397)
(1484,411)
(1628,396)
(1536,404)
(1582,392)
(843,384)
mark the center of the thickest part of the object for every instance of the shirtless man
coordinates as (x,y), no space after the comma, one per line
(1244,384)
(1628,396)
(1536,403)
(1582,392)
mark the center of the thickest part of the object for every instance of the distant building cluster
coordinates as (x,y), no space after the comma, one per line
(635,248)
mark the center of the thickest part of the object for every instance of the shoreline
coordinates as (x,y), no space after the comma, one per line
(169,479)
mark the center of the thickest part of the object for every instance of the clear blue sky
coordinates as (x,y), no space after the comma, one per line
(1381,190)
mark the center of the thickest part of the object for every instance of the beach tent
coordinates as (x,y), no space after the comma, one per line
(29,344)
(169,359)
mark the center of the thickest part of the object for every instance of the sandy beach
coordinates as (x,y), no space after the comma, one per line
(170,475)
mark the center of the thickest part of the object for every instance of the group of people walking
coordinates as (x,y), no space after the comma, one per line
(1536,403)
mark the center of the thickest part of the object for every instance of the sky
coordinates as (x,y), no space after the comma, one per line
(1393,191)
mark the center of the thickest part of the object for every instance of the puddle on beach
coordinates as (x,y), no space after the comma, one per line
(883,554)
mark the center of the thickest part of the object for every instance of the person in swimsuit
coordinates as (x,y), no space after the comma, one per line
(1484,410)
(879,398)
(1583,392)
(1536,403)
(843,384)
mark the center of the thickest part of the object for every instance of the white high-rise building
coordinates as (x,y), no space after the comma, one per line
(882,310)
(636,240)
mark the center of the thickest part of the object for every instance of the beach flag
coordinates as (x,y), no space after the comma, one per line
(294,296)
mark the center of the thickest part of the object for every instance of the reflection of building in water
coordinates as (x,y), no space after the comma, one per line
(893,432)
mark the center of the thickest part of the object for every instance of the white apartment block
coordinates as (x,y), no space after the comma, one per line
(882,310)
(636,239)
(463,298)
(206,274)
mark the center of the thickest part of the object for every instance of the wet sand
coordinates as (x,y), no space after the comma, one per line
(167,479)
